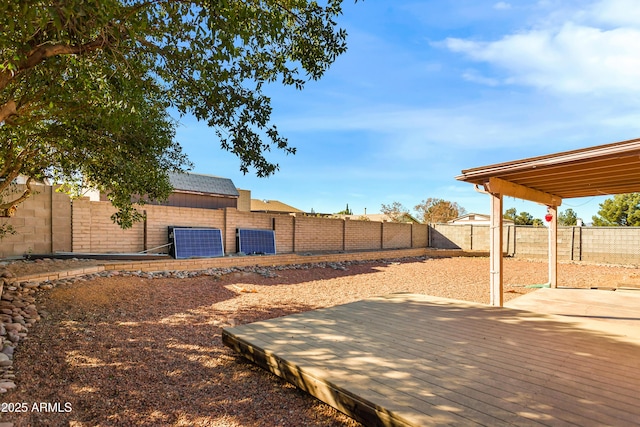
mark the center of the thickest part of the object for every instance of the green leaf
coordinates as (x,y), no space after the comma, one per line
(98,112)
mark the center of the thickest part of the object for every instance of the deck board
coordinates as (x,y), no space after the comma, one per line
(416,360)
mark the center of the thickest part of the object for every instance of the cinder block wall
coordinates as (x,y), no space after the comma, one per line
(450,237)
(61,222)
(42,223)
(244,201)
(608,244)
(93,230)
(285,234)
(363,235)
(235,219)
(469,236)
(318,234)
(159,218)
(420,235)
(396,235)
(616,245)
(533,242)
(50,222)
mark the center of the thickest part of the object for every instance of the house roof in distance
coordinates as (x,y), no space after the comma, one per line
(203,184)
(258,205)
(475,218)
(406,217)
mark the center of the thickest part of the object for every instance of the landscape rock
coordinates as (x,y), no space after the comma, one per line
(5,360)
(7,385)
(13,336)
(17,327)
(31,285)
(8,350)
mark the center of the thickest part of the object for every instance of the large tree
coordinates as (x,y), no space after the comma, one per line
(522,218)
(621,210)
(85,85)
(568,217)
(395,211)
(433,210)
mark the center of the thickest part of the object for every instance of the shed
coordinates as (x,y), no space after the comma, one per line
(202,191)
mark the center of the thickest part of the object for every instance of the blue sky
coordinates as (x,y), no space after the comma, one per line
(431,87)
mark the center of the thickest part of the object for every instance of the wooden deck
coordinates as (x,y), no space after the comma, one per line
(415,360)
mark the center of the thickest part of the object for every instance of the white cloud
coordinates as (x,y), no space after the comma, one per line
(453,135)
(501,5)
(570,58)
(476,77)
(615,12)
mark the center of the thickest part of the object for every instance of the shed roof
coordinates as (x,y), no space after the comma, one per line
(203,184)
(594,171)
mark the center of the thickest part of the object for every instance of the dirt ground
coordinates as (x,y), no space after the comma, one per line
(124,351)
(23,268)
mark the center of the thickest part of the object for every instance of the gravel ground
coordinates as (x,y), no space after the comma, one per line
(120,351)
(23,268)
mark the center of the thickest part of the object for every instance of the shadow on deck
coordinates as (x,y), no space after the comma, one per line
(416,360)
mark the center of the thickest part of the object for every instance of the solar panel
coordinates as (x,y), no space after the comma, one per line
(255,241)
(195,242)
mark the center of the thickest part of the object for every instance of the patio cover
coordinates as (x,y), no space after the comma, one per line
(594,171)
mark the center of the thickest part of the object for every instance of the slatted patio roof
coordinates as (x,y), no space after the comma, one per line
(594,171)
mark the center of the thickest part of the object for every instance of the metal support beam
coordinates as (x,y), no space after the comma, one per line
(495,243)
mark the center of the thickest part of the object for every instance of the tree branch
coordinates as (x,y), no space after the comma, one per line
(8,179)
(12,169)
(44,52)
(25,195)
(297,17)
(7,110)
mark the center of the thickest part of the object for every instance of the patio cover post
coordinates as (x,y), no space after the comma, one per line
(495,243)
(553,247)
